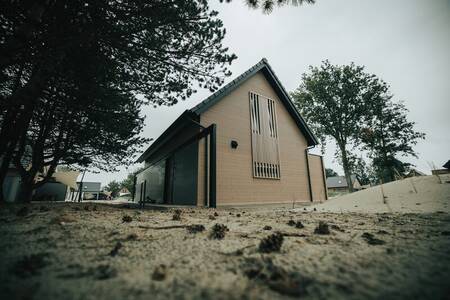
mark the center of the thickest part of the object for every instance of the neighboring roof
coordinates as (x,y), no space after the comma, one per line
(203,106)
(414,172)
(447,165)
(68,178)
(338,181)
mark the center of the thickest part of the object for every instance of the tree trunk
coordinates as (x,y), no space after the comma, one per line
(4,167)
(2,197)
(346,167)
(26,190)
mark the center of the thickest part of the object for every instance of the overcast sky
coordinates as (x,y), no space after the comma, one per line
(406,43)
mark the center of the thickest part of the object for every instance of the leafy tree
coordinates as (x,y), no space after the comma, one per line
(335,101)
(330,173)
(129,181)
(113,187)
(141,51)
(387,135)
(362,171)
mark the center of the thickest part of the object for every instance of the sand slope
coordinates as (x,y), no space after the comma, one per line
(424,194)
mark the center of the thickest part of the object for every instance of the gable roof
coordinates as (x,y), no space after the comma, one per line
(190,114)
(262,65)
(339,181)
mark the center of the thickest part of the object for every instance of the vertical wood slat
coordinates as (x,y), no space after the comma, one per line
(264,131)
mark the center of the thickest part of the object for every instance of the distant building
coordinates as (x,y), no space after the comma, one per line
(124,192)
(89,191)
(58,188)
(415,173)
(445,170)
(339,184)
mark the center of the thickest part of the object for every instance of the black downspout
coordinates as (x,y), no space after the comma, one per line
(309,175)
(212,166)
(206,170)
(324,178)
(80,188)
(133,194)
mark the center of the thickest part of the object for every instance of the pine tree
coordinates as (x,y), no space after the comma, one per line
(388,135)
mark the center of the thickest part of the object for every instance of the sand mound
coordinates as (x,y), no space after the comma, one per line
(424,194)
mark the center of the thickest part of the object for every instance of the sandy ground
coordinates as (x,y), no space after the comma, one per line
(95,251)
(424,194)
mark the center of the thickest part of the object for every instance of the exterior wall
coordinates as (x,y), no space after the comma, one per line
(154,174)
(235,182)
(317,176)
(154,178)
(202,179)
(184,175)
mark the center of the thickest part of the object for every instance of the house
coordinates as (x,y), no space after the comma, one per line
(57,188)
(88,190)
(124,192)
(445,169)
(339,184)
(245,144)
(414,173)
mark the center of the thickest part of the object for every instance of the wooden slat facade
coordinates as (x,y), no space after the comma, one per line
(264,130)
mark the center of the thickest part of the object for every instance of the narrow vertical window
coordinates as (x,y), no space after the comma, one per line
(264,132)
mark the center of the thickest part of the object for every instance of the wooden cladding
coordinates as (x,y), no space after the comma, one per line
(264,127)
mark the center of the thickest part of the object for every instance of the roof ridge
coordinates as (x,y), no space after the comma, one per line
(204,102)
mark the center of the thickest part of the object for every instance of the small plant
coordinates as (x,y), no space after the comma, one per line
(218,231)
(195,228)
(322,228)
(335,227)
(211,217)
(132,237)
(116,249)
(296,224)
(299,225)
(267,227)
(176,215)
(127,219)
(160,273)
(272,243)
